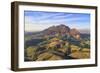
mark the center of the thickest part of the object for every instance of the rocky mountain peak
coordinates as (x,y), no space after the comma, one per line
(62,30)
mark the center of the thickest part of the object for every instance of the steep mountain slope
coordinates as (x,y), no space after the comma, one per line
(62,30)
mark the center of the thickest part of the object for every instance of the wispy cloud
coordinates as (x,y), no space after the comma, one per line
(35,19)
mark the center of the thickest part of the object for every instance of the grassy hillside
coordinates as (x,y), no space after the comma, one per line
(56,48)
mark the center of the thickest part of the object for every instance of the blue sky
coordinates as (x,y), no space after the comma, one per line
(39,20)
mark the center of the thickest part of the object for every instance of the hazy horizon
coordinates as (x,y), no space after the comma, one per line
(80,30)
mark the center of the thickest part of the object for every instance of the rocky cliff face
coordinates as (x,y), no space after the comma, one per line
(62,30)
(75,33)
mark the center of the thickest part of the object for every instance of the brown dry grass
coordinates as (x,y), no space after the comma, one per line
(48,56)
(85,53)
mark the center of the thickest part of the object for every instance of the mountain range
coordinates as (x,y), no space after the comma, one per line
(56,43)
(62,30)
